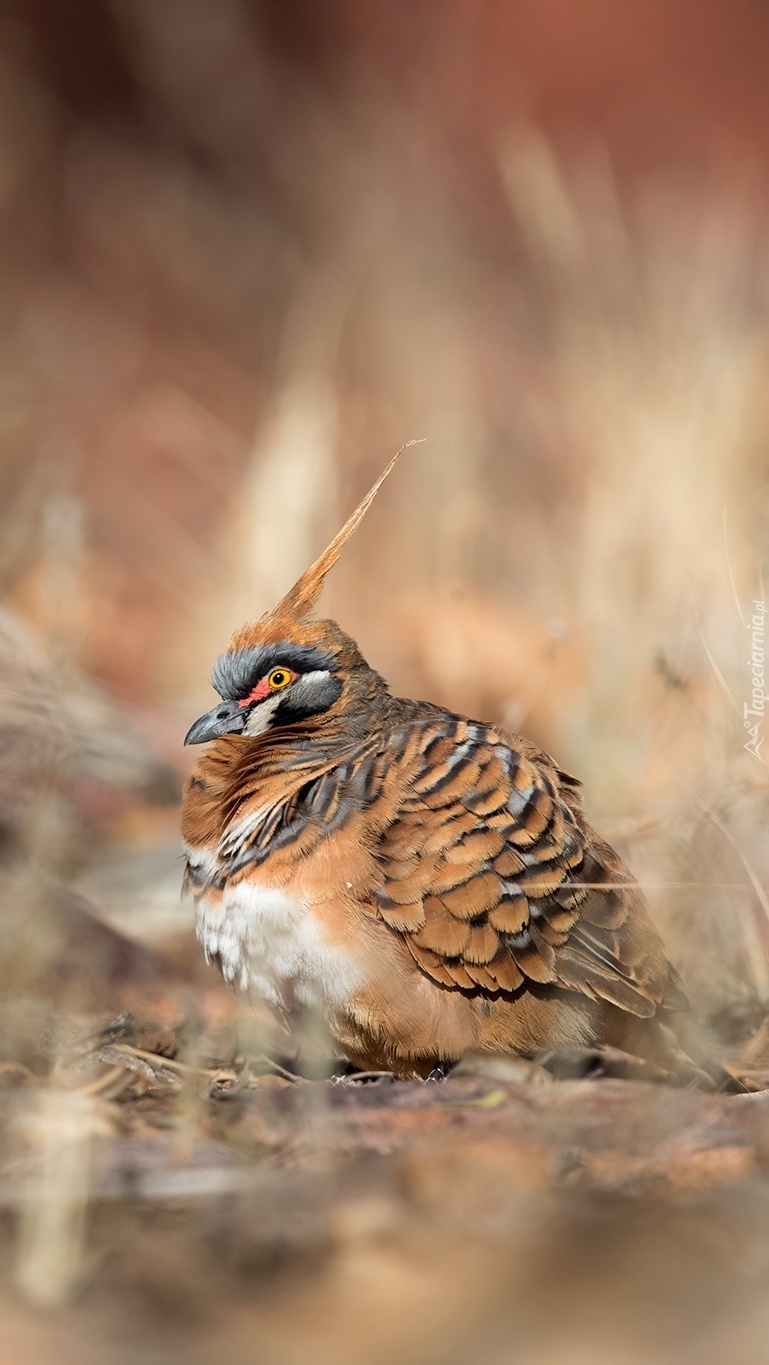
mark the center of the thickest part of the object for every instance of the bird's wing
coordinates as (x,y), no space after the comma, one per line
(496,882)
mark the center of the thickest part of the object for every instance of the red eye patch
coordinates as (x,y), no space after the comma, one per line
(257,693)
(263,689)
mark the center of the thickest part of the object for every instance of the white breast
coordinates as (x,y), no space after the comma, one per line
(274,948)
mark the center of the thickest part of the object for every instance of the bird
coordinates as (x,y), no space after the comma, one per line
(421,885)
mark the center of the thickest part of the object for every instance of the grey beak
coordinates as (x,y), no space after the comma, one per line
(228,718)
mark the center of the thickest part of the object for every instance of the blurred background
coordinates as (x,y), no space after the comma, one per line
(249,249)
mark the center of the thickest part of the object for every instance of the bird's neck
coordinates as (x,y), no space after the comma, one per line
(269,767)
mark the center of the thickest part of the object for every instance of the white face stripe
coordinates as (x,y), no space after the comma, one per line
(318,675)
(260,718)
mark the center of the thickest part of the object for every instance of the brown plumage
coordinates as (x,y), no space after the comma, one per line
(425,884)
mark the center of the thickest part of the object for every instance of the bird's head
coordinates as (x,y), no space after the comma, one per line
(275,673)
(288,667)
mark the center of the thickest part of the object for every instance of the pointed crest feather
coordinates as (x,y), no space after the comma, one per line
(300,600)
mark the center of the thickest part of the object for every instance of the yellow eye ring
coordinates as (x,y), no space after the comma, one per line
(280,677)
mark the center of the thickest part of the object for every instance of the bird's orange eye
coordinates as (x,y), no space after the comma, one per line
(280,677)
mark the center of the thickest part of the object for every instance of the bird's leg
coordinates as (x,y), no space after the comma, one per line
(440,1071)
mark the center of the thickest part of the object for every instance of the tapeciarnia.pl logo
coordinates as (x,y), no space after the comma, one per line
(754,710)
